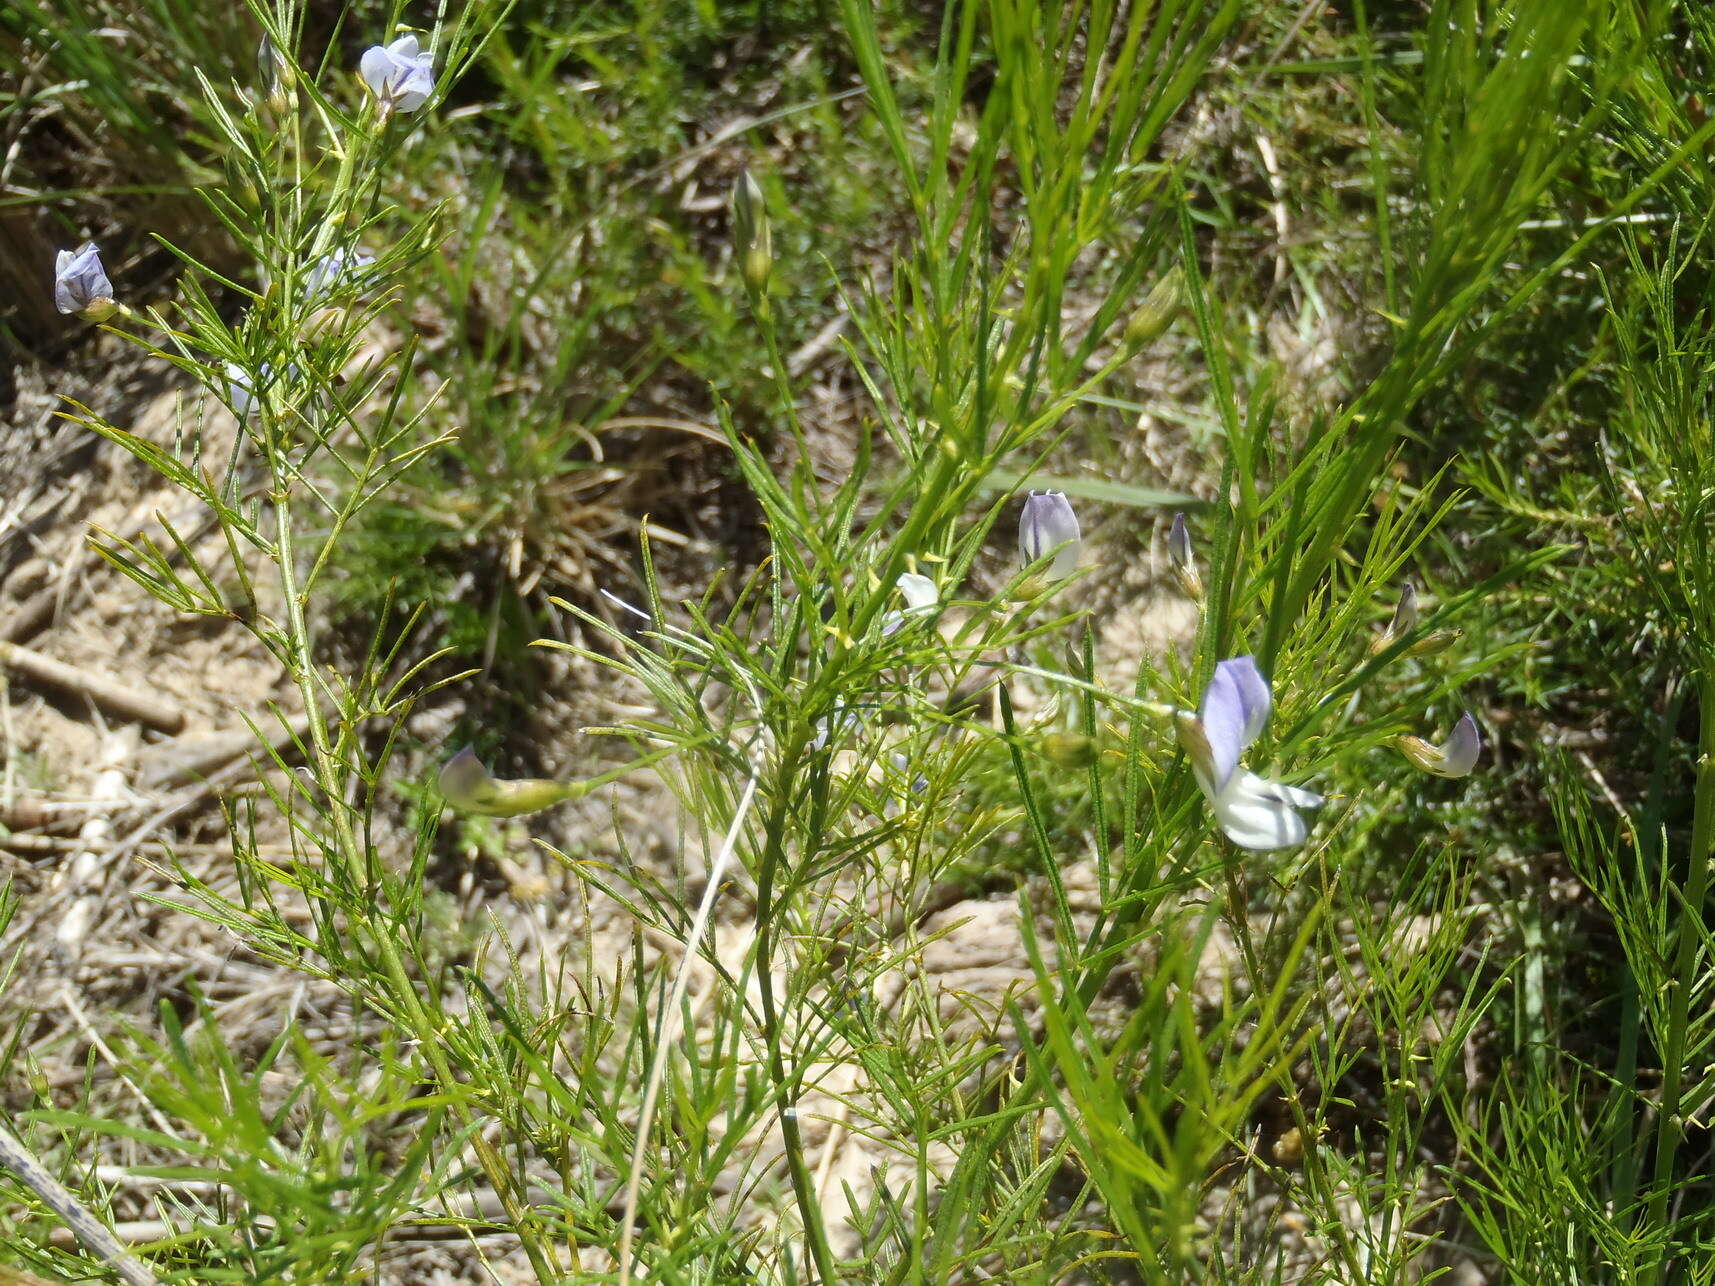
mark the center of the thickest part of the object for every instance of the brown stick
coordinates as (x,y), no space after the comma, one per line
(112,696)
(29,616)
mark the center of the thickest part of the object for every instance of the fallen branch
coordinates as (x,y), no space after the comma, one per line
(111,696)
(94,1234)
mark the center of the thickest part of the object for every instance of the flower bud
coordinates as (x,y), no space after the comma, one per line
(1403,623)
(1046,526)
(1183,560)
(1433,642)
(471,788)
(752,238)
(1163,304)
(1453,758)
(81,285)
(278,79)
(1069,749)
(400,77)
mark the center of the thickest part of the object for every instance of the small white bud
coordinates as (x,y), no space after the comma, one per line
(1184,561)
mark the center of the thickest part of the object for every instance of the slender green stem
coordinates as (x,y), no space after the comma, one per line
(330,779)
(1670,1128)
(773,856)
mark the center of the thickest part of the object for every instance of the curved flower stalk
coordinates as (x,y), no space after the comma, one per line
(1251,811)
(400,77)
(1454,757)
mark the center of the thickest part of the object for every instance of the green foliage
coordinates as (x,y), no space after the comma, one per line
(448,453)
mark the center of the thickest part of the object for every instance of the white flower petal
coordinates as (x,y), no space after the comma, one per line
(1259,814)
(919,591)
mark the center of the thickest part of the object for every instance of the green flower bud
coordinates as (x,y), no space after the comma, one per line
(1160,308)
(470,788)
(752,239)
(1435,641)
(1069,749)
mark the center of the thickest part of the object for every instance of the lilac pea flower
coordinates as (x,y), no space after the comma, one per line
(1404,621)
(919,591)
(1251,811)
(334,270)
(833,726)
(902,765)
(400,77)
(470,788)
(240,394)
(1454,757)
(81,285)
(1046,526)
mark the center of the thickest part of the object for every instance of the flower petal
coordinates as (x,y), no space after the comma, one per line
(1256,813)
(1254,693)
(1234,711)
(376,65)
(466,783)
(1460,751)
(1047,524)
(919,591)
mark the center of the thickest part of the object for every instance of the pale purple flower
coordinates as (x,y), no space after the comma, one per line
(240,394)
(400,77)
(919,591)
(1404,621)
(1454,757)
(1252,811)
(80,283)
(333,270)
(1046,526)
